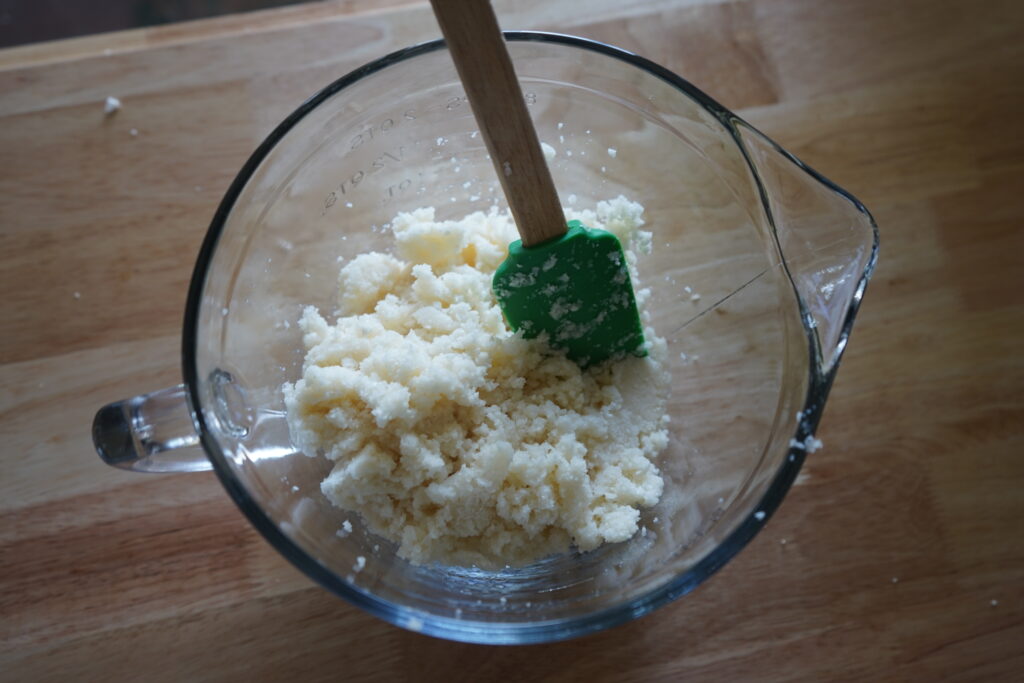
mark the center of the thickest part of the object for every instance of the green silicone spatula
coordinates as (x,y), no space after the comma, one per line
(565,281)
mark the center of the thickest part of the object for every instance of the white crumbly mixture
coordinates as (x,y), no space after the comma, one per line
(454,437)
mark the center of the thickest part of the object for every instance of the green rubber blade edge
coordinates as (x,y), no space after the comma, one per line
(575,289)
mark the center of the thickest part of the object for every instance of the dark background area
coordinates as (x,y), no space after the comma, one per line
(32,21)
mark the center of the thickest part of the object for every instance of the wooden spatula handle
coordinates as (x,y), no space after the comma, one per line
(478,48)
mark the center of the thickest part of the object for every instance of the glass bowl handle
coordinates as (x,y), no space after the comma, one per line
(150,433)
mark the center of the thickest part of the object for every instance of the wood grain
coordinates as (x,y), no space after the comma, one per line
(912,106)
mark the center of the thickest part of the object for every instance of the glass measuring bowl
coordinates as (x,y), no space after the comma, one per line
(757,268)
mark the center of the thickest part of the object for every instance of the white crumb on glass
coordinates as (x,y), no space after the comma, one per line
(360,563)
(549,151)
(759,515)
(560,125)
(77,295)
(603,169)
(295,488)
(568,152)
(994,603)
(414,624)
(721,500)
(782,541)
(458,612)
(895,579)
(688,289)
(345,530)
(224,312)
(503,600)
(348,205)
(571,199)
(612,152)
(440,141)
(465,185)
(111,105)
(134,132)
(643,531)
(695,297)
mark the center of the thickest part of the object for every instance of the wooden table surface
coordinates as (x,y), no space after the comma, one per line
(904,542)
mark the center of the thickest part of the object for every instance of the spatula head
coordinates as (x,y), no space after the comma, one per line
(575,289)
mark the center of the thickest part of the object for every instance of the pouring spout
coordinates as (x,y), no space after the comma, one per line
(827,239)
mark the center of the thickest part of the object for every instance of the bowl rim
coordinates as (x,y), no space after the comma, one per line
(486,632)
